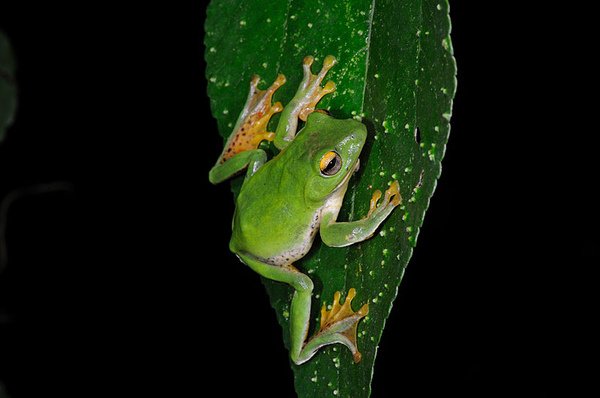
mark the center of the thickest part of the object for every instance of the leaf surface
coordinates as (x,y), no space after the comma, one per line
(396,73)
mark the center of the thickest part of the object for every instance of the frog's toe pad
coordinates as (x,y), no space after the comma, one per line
(391,198)
(341,319)
(392,195)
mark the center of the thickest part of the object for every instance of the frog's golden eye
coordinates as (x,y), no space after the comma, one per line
(330,163)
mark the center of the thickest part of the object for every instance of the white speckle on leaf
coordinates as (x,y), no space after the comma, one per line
(242,23)
(212,50)
(225,111)
(409,229)
(395,176)
(310,25)
(360,32)
(268,20)
(446,43)
(382,232)
(386,126)
(385,252)
(213,79)
(264,65)
(407,126)
(382,263)
(381,173)
(374,300)
(376,75)
(437,129)
(335,392)
(439,7)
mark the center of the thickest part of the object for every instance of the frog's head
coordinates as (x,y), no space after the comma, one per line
(331,148)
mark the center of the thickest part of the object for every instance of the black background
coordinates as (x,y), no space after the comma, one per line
(123,284)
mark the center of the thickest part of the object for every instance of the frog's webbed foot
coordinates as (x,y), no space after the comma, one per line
(311,89)
(338,325)
(391,199)
(251,127)
(305,100)
(341,319)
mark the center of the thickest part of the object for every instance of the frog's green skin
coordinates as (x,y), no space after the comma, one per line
(285,201)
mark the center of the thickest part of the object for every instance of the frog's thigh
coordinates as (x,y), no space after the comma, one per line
(286,273)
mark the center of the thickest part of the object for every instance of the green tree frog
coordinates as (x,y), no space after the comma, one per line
(286,200)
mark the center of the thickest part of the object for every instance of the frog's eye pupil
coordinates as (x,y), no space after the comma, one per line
(330,163)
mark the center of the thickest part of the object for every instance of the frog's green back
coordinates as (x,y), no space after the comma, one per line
(277,210)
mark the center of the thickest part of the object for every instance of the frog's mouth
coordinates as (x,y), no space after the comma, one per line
(357,166)
(344,182)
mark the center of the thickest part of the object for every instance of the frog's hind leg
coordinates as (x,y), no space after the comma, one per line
(338,325)
(251,126)
(301,301)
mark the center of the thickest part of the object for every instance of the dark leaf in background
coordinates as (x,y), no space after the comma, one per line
(8,87)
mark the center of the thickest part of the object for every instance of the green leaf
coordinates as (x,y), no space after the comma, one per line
(396,71)
(8,88)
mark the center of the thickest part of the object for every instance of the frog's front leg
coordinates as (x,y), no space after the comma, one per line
(339,234)
(241,149)
(337,325)
(307,96)
(252,159)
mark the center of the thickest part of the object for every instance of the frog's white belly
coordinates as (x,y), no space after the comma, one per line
(301,248)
